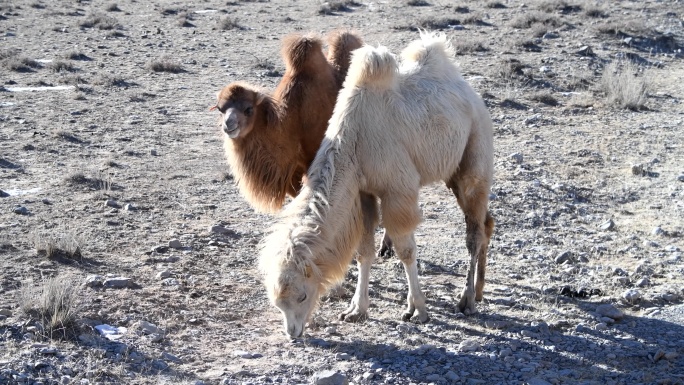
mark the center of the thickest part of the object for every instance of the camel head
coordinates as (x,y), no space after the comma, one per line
(244,109)
(294,288)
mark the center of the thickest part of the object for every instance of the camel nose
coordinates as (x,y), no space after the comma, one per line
(230,122)
(294,332)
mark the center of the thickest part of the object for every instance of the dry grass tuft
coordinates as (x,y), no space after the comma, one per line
(495,5)
(595,11)
(61,66)
(66,246)
(76,55)
(330,7)
(624,86)
(545,98)
(527,20)
(20,64)
(435,23)
(468,46)
(102,22)
(54,305)
(417,3)
(113,7)
(165,64)
(229,23)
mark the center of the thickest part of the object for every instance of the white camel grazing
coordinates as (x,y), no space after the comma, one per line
(395,127)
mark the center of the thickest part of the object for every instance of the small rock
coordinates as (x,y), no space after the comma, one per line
(516,158)
(680,178)
(48,351)
(218,229)
(112,203)
(585,51)
(329,377)
(130,207)
(368,376)
(607,225)
(657,231)
(643,282)
(469,346)
(600,326)
(118,282)
(160,365)
(6,312)
(170,357)
(342,357)
(537,381)
(153,152)
(242,354)
(452,376)
(563,257)
(175,244)
(551,35)
(608,310)
(434,377)
(147,328)
(21,210)
(163,274)
(331,330)
(3,194)
(170,282)
(94,281)
(631,295)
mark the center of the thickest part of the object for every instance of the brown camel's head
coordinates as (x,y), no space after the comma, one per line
(243,109)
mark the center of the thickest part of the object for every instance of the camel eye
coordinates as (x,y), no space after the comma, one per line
(248,111)
(302,298)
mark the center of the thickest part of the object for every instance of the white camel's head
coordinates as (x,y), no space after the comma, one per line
(243,109)
(294,288)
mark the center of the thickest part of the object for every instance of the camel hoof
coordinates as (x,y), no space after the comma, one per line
(466,306)
(420,318)
(406,317)
(353,317)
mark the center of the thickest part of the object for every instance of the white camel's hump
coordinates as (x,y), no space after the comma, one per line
(371,66)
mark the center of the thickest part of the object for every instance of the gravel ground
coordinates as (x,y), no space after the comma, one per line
(113,182)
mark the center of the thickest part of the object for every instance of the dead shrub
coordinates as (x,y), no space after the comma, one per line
(437,23)
(20,64)
(76,55)
(495,5)
(229,23)
(61,66)
(165,64)
(64,246)
(330,7)
(54,305)
(463,47)
(545,98)
(595,11)
(102,22)
(528,19)
(417,3)
(112,7)
(625,86)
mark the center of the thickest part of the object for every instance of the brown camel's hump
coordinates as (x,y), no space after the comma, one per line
(340,46)
(302,52)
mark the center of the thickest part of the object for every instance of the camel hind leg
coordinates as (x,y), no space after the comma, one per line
(472,194)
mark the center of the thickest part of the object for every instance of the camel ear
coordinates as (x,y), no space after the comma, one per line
(269,108)
(308,271)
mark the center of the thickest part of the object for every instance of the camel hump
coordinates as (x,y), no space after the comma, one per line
(432,48)
(302,51)
(340,47)
(372,66)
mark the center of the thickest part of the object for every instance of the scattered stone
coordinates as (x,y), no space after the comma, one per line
(175,244)
(21,210)
(48,351)
(218,229)
(452,376)
(680,178)
(94,281)
(331,330)
(608,225)
(112,203)
(551,35)
(242,354)
(643,282)
(153,152)
(170,282)
(368,376)
(631,295)
(147,328)
(342,357)
(657,231)
(563,257)
(600,326)
(585,51)
(130,207)
(110,332)
(3,194)
(516,158)
(170,357)
(608,310)
(329,377)
(163,274)
(118,283)
(6,312)
(469,346)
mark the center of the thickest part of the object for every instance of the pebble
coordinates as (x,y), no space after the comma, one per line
(585,51)
(608,310)
(657,231)
(21,210)
(600,326)
(643,282)
(452,376)
(469,346)
(147,328)
(94,281)
(118,282)
(329,377)
(607,225)
(175,244)
(342,357)
(48,351)
(112,203)
(680,178)
(631,295)
(242,354)
(163,274)
(331,330)
(563,257)
(3,194)
(368,376)
(6,312)
(516,158)
(170,357)
(218,229)
(130,207)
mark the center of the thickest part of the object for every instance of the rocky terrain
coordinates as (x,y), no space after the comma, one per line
(127,255)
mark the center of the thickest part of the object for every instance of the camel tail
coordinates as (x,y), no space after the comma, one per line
(375,67)
(340,47)
(302,51)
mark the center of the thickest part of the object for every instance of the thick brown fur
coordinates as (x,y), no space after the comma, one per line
(270,160)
